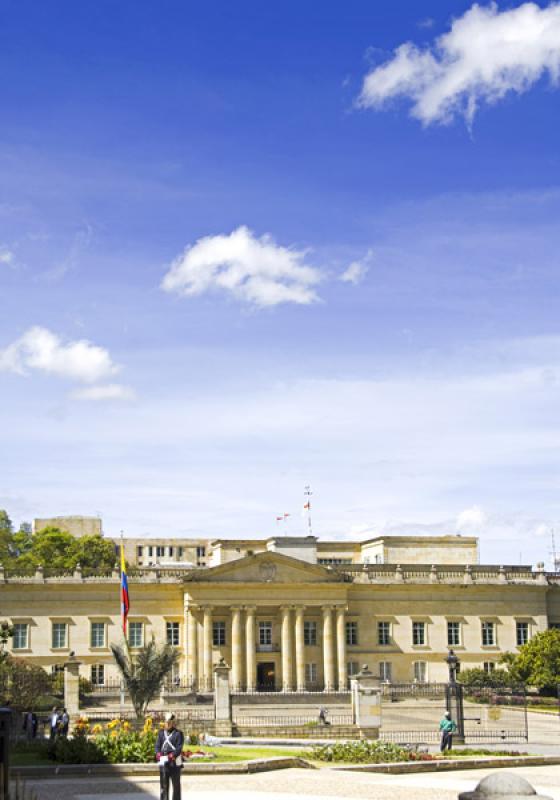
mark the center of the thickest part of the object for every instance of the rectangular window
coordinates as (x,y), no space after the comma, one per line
(97,634)
(57,669)
(352,668)
(20,639)
(139,551)
(265,632)
(59,635)
(419,634)
(383,633)
(521,633)
(170,552)
(386,670)
(351,633)
(553,626)
(488,637)
(98,674)
(160,551)
(489,666)
(453,634)
(180,552)
(218,633)
(150,551)
(200,552)
(310,673)
(309,632)
(420,671)
(172,633)
(135,634)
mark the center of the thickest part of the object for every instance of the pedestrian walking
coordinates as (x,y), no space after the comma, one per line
(447,727)
(323,716)
(169,755)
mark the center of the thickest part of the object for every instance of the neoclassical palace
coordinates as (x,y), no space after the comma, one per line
(287,613)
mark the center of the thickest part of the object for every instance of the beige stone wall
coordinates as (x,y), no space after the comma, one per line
(421,550)
(76,526)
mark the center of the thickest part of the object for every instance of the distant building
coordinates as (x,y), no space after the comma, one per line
(287,612)
(75,525)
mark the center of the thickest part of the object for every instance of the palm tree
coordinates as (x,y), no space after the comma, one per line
(144,674)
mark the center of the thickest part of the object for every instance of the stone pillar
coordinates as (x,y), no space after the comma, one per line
(328,650)
(287,683)
(207,650)
(366,703)
(192,646)
(300,649)
(72,687)
(251,657)
(222,699)
(236,648)
(341,647)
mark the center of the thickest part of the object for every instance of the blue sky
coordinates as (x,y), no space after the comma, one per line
(295,250)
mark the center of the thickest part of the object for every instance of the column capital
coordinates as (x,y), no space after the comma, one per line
(286,607)
(236,608)
(207,608)
(327,609)
(250,609)
(192,607)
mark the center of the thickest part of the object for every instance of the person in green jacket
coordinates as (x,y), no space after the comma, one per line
(447,728)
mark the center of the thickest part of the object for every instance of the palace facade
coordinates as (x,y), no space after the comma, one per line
(289,613)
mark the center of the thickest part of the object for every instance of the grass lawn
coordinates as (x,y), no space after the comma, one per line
(247,753)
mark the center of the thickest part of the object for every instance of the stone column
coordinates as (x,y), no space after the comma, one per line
(366,703)
(328,650)
(300,649)
(192,646)
(222,699)
(72,687)
(341,647)
(251,657)
(287,683)
(207,649)
(236,648)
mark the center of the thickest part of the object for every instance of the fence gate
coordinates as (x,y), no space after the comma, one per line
(495,714)
(411,712)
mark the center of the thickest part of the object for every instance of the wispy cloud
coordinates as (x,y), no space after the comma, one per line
(42,350)
(357,270)
(486,54)
(252,269)
(109,391)
(6,256)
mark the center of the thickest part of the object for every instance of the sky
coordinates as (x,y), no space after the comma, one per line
(250,247)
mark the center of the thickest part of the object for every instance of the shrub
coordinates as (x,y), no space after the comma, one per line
(363,752)
(78,749)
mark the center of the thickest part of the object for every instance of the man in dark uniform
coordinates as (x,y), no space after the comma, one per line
(169,749)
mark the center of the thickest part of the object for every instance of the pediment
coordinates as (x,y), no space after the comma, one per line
(265,568)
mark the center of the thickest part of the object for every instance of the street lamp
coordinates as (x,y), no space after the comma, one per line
(453,664)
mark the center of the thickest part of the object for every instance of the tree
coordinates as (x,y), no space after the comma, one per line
(6,529)
(476,677)
(94,553)
(22,685)
(538,661)
(144,673)
(6,632)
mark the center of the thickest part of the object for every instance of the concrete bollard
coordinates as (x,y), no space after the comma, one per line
(503,786)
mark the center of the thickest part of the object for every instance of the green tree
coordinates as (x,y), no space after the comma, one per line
(538,661)
(478,677)
(52,548)
(144,673)
(22,685)
(94,553)
(6,529)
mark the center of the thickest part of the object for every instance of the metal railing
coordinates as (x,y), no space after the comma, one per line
(290,722)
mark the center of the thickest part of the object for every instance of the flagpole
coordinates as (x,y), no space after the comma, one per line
(123,628)
(307,506)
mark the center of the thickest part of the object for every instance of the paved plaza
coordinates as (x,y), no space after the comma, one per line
(295,783)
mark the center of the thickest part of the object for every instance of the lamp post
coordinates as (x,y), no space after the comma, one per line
(454,695)
(453,664)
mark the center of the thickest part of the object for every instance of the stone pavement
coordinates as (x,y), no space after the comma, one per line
(293,784)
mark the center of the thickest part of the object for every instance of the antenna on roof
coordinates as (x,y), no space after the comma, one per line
(307,507)
(555,559)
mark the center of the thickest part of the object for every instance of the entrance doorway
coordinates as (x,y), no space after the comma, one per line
(266,679)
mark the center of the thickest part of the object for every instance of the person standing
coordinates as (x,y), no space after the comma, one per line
(447,727)
(169,755)
(64,723)
(54,720)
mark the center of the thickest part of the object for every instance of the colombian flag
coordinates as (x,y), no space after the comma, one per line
(125,601)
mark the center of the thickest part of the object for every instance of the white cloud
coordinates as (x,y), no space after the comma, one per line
(109,391)
(6,256)
(486,54)
(356,271)
(471,518)
(40,349)
(255,270)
